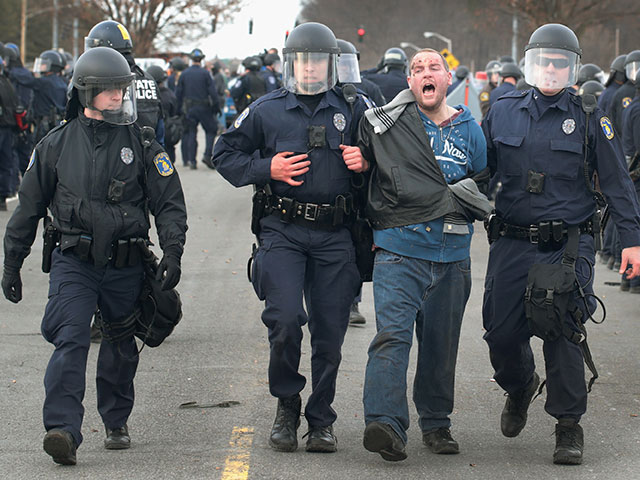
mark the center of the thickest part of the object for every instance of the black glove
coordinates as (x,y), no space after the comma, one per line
(12,284)
(169,268)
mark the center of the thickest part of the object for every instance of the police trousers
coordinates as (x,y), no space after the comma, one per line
(76,289)
(292,263)
(507,330)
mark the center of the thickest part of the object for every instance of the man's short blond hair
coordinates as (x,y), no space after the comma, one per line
(428,50)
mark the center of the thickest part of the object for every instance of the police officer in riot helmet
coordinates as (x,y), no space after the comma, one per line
(272,72)
(624,95)
(177,65)
(91,260)
(349,72)
(593,87)
(8,161)
(112,34)
(172,120)
(295,145)
(545,231)
(251,86)
(199,103)
(616,78)
(509,76)
(392,79)
(493,79)
(49,92)
(590,71)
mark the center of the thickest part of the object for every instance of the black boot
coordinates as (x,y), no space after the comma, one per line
(3,204)
(514,414)
(355,317)
(61,446)
(569,442)
(284,433)
(321,439)
(117,438)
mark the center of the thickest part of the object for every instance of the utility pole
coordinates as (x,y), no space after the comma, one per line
(23,30)
(54,27)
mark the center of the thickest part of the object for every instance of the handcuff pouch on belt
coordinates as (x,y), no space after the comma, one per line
(550,297)
(51,241)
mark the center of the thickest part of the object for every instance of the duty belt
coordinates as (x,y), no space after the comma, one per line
(313,215)
(124,252)
(550,233)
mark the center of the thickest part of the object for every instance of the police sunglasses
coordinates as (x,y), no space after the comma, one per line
(557,62)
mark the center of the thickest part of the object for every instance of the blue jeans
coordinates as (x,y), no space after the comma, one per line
(433,296)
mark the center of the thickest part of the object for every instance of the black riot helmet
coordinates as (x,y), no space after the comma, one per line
(158,73)
(593,87)
(492,70)
(395,58)
(552,57)
(196,55)
(590,71)
(507,59)
(271,58)
(616,71)
(103,69)
(252,64)
(462,72)
(310,57)
(109,33)
(12,55)
(632,65)
(177,64)
(348,65)
(49,61)
(510,70)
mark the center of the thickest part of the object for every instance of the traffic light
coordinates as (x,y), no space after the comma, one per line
(251,26)
(361,33)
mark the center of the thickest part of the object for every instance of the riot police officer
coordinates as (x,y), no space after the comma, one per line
(198,102)
(392,78)
(22,80)
(100,216)
(272,72)
(510,74)
(172,120)
(8,160)
(178,65)
(616,78)
(251,86)
(110,33)
(624,95)
(294,144)
(590,71)
(546,215)
(49,92)
(349,72)
(493,79)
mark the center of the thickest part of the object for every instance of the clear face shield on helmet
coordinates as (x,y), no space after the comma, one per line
(551,69)
(309,73)
(114,100)
(41,66)
(631,70)
(348,68)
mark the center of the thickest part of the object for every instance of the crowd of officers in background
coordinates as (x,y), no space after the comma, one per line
(33,102)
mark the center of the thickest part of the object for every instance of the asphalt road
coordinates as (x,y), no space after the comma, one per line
(219,353)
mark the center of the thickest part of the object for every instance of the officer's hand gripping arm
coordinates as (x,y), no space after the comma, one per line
(169,269)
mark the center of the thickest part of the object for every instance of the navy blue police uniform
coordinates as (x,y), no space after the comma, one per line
(529,132)
(8,159)
(148,102)
(605,98)
(391,83)
(619,102)
(72,172)
(21,78)
(295,258)
(49,100)
(272,80)
(198,102)
(500,90)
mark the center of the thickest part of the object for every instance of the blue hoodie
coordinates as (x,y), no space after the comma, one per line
(460,148)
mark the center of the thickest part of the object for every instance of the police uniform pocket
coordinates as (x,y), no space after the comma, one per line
(507,158)
(257,269)
(339,169)
(567,159)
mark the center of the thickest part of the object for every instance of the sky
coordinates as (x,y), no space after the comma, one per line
(271,20)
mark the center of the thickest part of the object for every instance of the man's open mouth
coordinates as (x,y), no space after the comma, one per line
(428,88)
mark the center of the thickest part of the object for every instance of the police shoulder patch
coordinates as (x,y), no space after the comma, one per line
(626,101)
(607,127)
(32,160)
(484,96)
(241,117)
(163,164)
